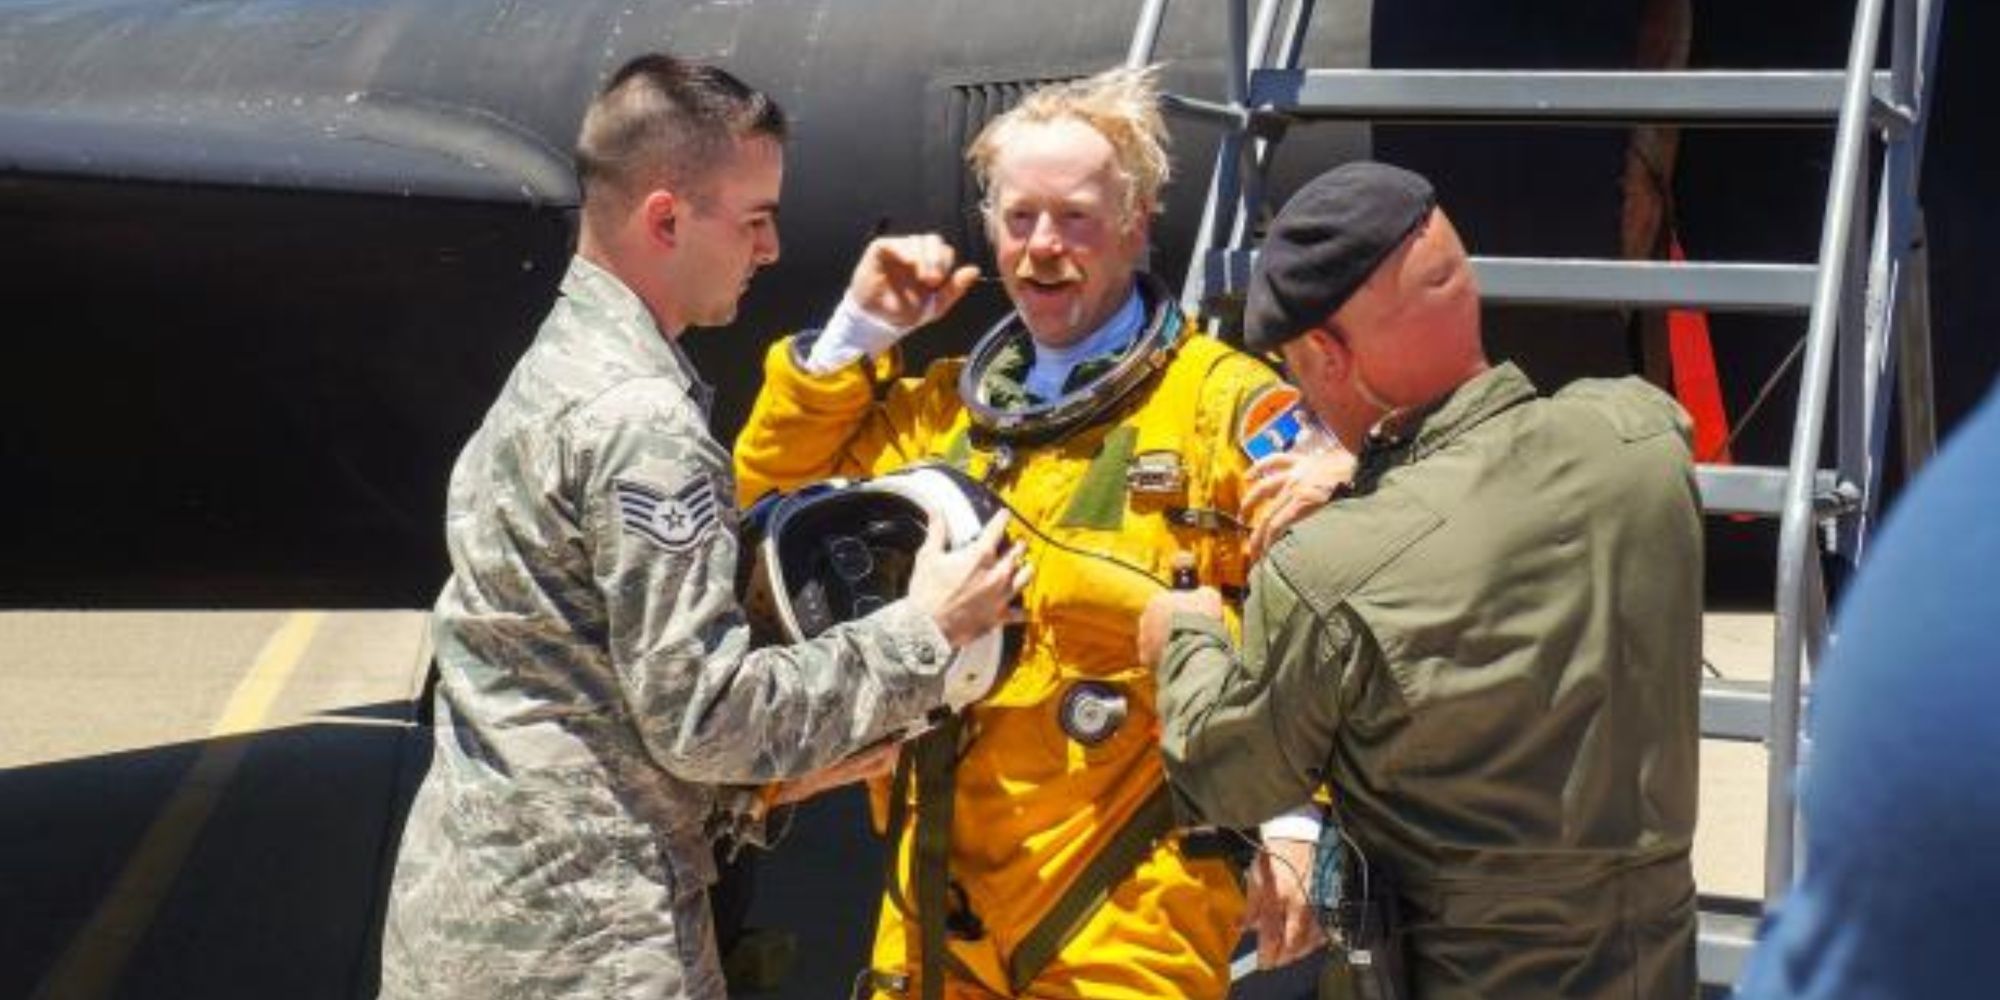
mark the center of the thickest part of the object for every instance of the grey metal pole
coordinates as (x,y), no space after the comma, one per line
(1237,87)
(1260,32)
(1225,190)
(1253,151)
(1865,427)
(1889,287)
(1854,360)
(1295,34)
(1795,531)
(1864,433)
(1146,35)
(1237,143)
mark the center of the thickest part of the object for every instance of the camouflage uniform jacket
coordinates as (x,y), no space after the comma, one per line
(1491,652)
(596,681)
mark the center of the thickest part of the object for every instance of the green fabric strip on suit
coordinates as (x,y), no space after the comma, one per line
(1117,861)
(1099,500)
(936,753)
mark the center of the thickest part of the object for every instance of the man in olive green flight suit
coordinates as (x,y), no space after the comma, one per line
(1487,648)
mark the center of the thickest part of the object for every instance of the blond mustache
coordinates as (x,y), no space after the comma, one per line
(1063,270)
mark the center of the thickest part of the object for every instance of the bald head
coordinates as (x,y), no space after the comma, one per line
(1416,319)
(1405,337)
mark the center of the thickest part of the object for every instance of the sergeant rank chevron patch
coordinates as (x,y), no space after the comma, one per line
(674,521)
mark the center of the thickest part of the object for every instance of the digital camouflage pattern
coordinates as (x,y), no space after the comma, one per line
(1491,653)
(597,690)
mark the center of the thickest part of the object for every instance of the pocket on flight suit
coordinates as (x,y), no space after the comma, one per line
(1495,942)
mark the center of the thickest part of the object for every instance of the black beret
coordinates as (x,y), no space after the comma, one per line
(1325,242)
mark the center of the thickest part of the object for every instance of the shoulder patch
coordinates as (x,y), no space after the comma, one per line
(674,521)
(1269,421)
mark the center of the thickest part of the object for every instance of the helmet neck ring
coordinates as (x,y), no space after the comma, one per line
(1041,422)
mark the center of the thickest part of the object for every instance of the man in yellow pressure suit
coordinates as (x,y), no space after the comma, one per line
(1034,855)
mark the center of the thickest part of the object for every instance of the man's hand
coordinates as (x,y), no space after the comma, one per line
(1157,620)
(967,591)
(875,762)
(1277,908)
(907,281)
(1286,487)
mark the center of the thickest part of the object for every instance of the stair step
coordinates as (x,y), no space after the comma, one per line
(1723,942)
(1757,490)
(1787,97)
(1589,282)
(1739,711)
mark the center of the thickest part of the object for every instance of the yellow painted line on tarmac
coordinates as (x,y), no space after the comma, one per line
(96,957)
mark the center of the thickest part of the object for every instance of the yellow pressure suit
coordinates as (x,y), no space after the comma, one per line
(1107,505)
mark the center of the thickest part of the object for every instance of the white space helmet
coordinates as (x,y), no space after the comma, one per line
(840,550)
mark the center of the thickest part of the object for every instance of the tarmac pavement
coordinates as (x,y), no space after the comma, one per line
(207,805)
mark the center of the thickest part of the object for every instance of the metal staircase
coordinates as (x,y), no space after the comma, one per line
(1865,298)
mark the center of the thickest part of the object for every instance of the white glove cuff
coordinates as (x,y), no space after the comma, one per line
(852,334)
(1302,823)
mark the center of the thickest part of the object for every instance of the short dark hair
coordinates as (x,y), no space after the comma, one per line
(663,118)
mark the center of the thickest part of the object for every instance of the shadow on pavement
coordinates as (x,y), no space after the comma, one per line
(280,894)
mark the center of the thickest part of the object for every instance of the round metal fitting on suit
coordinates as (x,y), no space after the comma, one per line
(1091,711)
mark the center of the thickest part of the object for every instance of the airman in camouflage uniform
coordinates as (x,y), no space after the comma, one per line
(597,690)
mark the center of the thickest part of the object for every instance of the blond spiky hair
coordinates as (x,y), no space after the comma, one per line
(1122,105)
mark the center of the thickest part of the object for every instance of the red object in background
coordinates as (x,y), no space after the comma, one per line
(1696,385)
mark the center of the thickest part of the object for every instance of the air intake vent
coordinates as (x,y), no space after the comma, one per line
(969,106)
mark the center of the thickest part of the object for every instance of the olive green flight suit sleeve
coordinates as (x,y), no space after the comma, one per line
(1246,733)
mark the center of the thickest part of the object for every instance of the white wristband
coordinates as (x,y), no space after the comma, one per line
(1302,823)
(852,334)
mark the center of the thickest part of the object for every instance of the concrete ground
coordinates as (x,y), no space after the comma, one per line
(1729,836)
(200,805)
(206,804)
